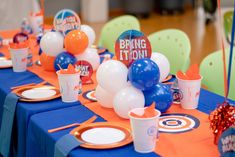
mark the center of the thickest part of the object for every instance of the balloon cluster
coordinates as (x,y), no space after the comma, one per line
(221,119)
(64,50)
(124,89)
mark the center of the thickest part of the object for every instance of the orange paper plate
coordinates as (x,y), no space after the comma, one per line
(19,92)
(79,132)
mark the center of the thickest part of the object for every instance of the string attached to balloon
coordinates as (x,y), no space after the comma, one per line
(43,14)
(223,53)
(130,49)
(231,51)
(223,116)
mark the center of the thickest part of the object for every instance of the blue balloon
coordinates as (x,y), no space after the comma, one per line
(64,59)
(162,96)
(144,74)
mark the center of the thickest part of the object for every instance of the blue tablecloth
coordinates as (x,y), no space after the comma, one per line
(40,143)
(24,110)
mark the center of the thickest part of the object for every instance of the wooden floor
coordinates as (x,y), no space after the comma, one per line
(204,38)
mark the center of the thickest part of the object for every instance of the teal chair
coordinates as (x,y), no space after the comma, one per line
(228,19)
(114,28)
(211,69)
(175,45)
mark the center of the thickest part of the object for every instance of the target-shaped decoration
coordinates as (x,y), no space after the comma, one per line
(90,95)
(177,123)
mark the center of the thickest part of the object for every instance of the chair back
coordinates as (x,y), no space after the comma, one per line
(114,28)
(211,68)
(175,45)
(228,19)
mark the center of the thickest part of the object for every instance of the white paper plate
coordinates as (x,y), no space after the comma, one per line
(3,58)
(5,63)
(38,93)
(104,135)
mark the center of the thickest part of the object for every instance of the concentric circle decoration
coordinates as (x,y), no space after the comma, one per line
(177,123)
(90,95)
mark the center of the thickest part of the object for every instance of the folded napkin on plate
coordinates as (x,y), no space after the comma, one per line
(7,123)
(149,112)
(65,144)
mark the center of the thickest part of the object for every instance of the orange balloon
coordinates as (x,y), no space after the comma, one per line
(76,42)
(47,62)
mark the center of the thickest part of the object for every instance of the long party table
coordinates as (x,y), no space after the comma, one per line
(32,121)
(41,143)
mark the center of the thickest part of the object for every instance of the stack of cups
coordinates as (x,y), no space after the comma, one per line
(144,130)
(19,58)
(69,86)
(190,91)
(36,22)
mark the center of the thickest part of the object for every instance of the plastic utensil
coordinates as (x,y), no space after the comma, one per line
(90,120)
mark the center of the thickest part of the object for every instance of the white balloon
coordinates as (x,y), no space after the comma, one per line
(52,43)
(90,33)
(112,75)
(90,55)
(104,97)
(128,99)
(163,64)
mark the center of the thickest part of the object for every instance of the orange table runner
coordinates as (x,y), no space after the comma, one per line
(195,143)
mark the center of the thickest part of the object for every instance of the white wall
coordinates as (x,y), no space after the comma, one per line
(53,6)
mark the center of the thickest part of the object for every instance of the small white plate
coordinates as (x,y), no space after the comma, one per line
(104,135)
(5,63)
(38,93)
(3,58)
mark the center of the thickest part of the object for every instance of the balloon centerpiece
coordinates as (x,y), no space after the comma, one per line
(68,43)
(143,74)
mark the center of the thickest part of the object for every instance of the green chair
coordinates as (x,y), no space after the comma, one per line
(114,28)
(175,45)
(211,69)
(228,19)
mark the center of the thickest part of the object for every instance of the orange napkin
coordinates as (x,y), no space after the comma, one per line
(19,45)
(69,70)
(191,74)
(148,112)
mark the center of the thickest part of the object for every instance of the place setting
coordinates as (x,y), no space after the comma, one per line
(36,92)
(98,135)
(92,135)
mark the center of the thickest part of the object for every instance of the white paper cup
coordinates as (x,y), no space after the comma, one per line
(36,22)
(69,86)
(190,90)
(144,131)
(19,59)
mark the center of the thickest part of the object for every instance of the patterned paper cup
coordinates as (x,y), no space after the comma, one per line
(69,86)
(19,59)
(190,90)
(144,131)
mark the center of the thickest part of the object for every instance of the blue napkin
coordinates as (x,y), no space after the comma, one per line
(7,123)
(65,145)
